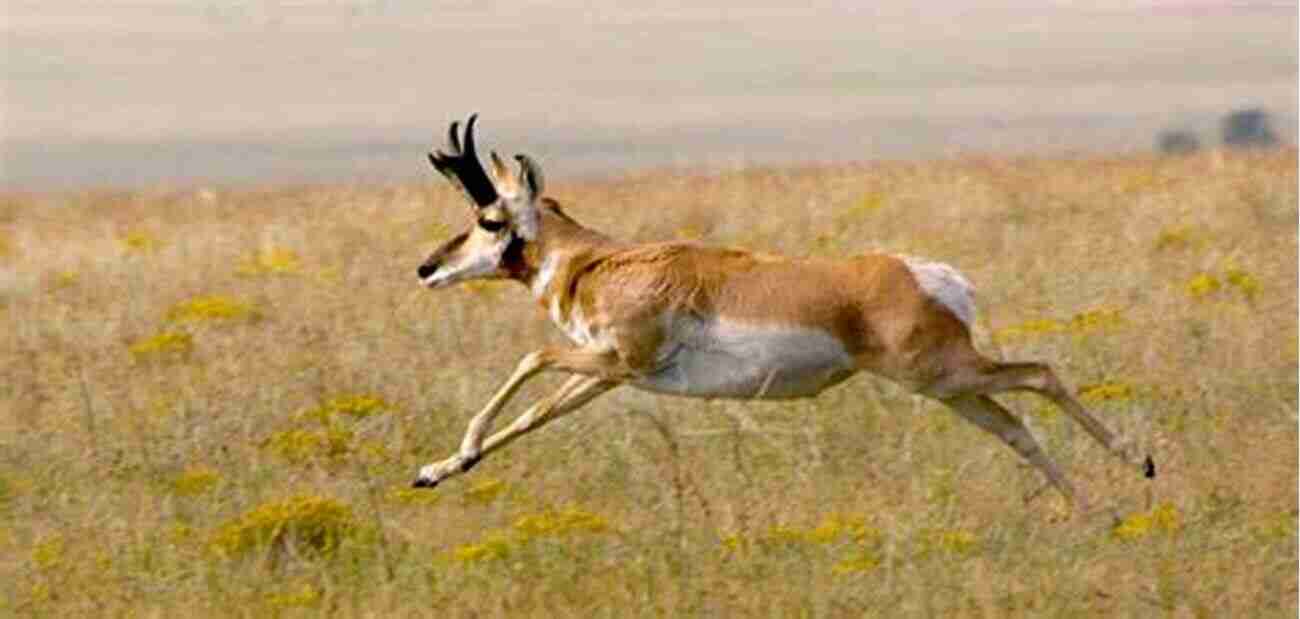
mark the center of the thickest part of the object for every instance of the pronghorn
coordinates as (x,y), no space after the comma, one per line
(687,319)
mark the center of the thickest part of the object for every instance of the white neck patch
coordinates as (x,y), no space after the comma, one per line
(545,274)
(525,219)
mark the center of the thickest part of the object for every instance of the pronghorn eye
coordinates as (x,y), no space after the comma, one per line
(491,225)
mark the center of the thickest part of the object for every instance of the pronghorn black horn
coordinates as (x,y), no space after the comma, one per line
(462,167)
(453,136)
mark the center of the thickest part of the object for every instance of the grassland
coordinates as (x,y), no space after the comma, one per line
(213,401)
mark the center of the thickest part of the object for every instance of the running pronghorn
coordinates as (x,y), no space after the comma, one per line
(686,319)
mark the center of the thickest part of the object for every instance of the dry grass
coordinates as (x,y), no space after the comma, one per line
(213,401)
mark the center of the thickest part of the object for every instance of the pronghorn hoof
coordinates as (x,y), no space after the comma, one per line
(428,477)
(469,462)
(423,482)
(1149,468)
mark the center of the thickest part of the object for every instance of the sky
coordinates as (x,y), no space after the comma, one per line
(147,92)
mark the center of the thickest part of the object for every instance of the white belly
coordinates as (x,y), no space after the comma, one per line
(720,359)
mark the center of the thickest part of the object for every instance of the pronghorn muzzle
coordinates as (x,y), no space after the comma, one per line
(435,260)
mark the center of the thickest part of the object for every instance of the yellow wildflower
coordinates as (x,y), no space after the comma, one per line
(310,522)
(167,344)
(1178,238)
(140,242)
(211,308)
(304,596)
(1029,329)
(1202,285)
(733,542)
(357,405)
(864,561)
(1162,518)
(1242,281)
(413,496)
(560,522)
(835,527)
(49,553)
(1096,320)
(954,541)
(1106,391)
(270,261)
(195,480)
(303,445)
(64,279)
(495,546)
(485,491)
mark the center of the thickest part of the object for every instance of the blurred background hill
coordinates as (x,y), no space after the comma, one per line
(143,92)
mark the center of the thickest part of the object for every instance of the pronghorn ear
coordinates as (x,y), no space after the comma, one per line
(501,176)
(530,177)
(524,190)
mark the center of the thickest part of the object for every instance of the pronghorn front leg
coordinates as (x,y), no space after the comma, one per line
(576,393)
(599,364)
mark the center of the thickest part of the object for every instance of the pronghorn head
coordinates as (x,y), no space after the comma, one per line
(504,207)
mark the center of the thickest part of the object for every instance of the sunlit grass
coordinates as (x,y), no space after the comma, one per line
(218,411)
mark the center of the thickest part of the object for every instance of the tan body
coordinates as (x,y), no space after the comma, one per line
(704,321)
(701,321)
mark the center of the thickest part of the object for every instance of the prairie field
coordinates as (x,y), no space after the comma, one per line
(214,400)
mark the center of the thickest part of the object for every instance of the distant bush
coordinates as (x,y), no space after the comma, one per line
(1249,128)
(1177,142)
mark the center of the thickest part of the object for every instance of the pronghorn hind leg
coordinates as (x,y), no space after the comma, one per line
(987,414)
(1040,379)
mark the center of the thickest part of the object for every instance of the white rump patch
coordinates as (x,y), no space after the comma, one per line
(946,285)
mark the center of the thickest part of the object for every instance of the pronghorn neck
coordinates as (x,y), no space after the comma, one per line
(549,259)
